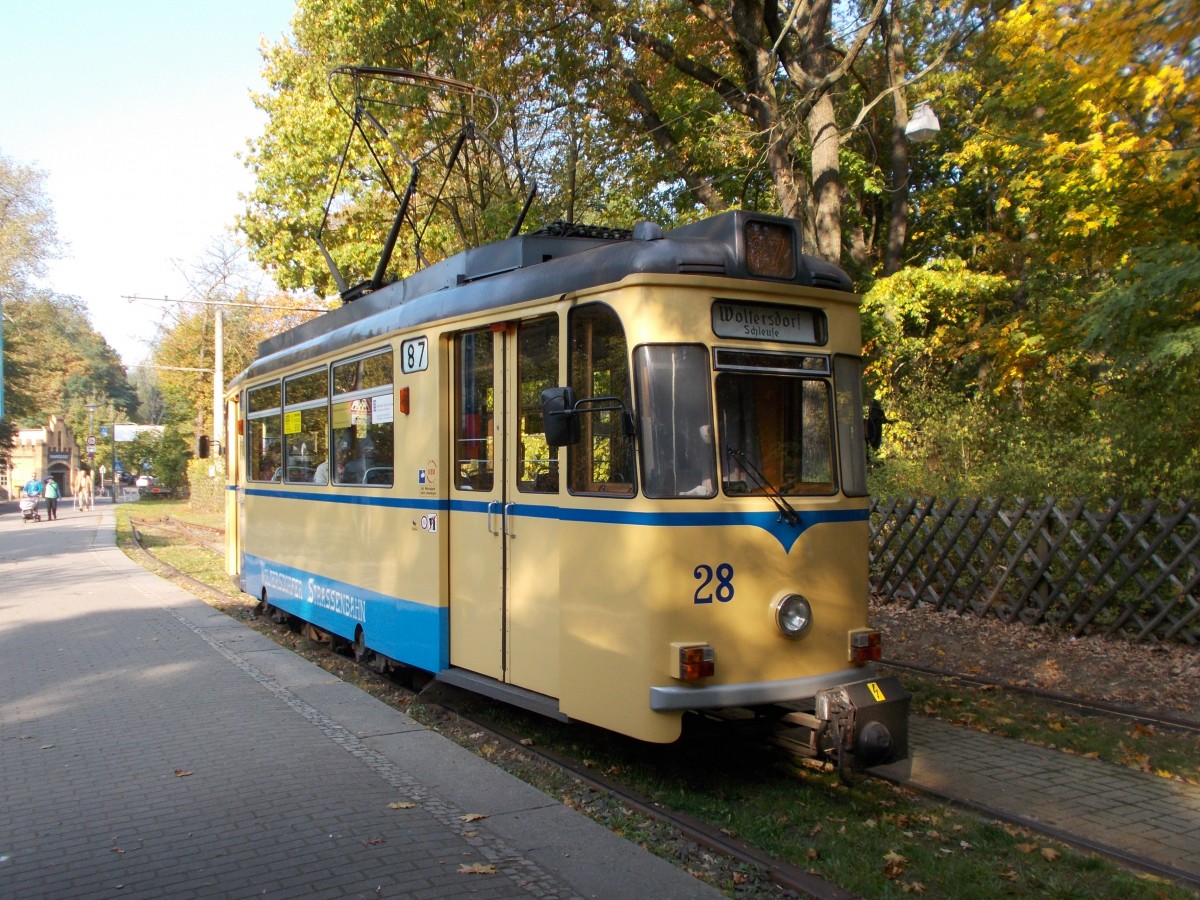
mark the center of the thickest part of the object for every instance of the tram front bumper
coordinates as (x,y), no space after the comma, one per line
(750,693)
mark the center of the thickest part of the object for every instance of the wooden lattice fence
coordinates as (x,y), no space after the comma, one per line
(1129,569)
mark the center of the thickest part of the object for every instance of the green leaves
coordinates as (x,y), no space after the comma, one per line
(1148,314)
(55,362)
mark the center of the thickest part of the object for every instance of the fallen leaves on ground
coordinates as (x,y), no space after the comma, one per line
(893,864)
(476,869)
(1153,677)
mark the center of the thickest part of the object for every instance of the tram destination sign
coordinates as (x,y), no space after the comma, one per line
(766,322)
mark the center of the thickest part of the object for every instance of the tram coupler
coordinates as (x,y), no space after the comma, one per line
(871,718)
(857,725)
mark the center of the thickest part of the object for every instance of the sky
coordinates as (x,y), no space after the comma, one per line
(135,112)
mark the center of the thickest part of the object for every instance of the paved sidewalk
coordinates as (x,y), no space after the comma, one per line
(151,746)
(1110,808)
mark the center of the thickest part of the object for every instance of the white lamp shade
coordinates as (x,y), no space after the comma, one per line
(923,126)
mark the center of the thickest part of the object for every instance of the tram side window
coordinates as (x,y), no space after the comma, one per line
(363,422)
(775,434)
(305,425)
(264,433)
(675,409)
(474,411)
(603,461)
(537,370)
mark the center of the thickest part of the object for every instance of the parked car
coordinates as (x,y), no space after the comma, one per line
(144,481)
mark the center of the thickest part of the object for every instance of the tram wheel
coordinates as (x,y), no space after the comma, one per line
(362,653)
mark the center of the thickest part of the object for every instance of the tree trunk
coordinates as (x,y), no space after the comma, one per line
(826,179)
(898,220)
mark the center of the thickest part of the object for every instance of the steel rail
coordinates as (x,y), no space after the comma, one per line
(1087,706)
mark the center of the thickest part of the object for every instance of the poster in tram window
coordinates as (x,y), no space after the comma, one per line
(381,409)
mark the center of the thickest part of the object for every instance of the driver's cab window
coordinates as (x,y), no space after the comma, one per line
(603,462)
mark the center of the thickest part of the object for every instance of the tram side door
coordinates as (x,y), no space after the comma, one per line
(477,502)
(504,582)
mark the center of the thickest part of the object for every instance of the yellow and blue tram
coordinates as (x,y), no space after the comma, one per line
(612,477)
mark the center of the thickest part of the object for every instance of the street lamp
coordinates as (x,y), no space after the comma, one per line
(91,435)
(116,484)
(924,125)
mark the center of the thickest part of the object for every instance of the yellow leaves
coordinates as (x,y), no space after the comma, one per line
(473,817)
(1140,761)
(476,869)
(1047,853)
(403,804)
(893,864)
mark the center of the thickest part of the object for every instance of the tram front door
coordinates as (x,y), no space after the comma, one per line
(504,580)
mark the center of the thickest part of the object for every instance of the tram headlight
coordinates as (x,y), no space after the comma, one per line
(793,614)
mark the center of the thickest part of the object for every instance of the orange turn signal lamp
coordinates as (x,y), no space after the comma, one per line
(692,661)
(865,646)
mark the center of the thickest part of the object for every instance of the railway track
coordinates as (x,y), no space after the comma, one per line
(1077,704)
(783,878)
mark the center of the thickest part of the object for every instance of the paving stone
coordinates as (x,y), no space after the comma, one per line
(152,747)
(1108,806)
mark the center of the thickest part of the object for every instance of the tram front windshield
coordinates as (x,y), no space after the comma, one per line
(774,431)
(775,434)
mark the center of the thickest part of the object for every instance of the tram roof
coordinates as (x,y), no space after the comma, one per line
(536,265)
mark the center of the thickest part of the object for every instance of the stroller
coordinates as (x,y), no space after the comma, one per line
(31,510)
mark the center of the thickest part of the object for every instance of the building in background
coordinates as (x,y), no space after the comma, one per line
(39,452)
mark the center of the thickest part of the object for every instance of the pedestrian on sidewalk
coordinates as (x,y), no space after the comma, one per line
(50,492)
(83,490)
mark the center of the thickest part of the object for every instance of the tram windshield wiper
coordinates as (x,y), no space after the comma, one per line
(787,512)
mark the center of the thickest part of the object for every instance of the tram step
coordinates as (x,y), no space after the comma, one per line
(506,693)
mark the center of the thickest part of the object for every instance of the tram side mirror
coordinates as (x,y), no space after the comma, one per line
(560,418)
(203,450)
